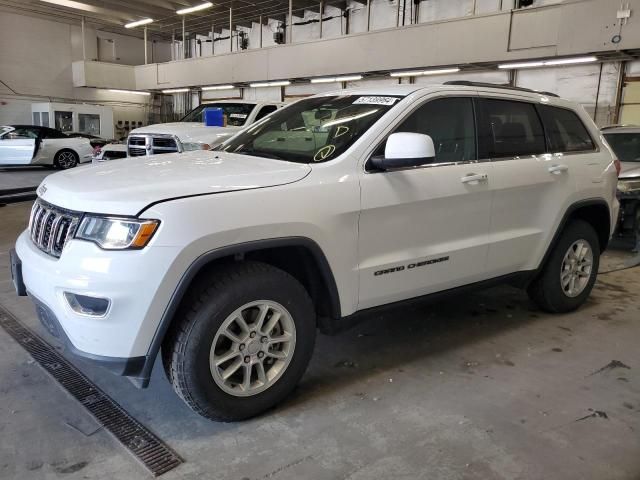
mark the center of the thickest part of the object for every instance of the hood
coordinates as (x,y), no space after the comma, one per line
(127,186)
(629,170)
(190,131)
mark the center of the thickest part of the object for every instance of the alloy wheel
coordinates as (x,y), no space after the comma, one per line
(252,348)
(576,268)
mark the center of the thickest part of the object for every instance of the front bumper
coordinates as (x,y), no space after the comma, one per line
(119,340)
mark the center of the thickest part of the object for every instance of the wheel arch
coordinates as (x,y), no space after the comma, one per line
(593,211)
(299,256)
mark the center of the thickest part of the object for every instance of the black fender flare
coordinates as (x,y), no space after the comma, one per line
(599,202)
(142,379)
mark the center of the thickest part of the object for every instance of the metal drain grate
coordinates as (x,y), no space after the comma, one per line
(154,454)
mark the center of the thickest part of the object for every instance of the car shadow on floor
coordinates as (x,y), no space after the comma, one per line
(403,335)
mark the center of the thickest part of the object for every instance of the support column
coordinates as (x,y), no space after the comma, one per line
(260,31)
(184,40)
(619,90)
(290,39)
(146,55)
(321,14)
(173,45)
(230,29)
(84,47)
(368,15)
(213,38)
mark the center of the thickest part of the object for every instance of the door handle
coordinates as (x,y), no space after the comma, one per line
(474,178)
(558,169)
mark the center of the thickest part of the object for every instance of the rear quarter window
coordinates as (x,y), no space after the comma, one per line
(565,130)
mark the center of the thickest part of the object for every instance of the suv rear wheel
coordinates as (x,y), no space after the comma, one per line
(242,344)
(570,272)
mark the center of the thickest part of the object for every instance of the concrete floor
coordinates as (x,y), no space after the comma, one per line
(22,177)
(479,387)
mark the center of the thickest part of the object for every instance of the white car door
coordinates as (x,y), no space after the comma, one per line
(426,229)
(531,184)
(17,146)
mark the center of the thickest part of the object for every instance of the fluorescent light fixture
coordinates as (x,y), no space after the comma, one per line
(569,61)
(441,71)
(197,8)
(133,92)
(549,63)
(77,5)
(511,66)
(282,83)
(419,73)
(346,78)
(176,90)
(219,87)
(409,73)
(144,21)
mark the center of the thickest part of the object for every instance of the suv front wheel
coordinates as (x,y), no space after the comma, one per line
(240,345)
(570,272)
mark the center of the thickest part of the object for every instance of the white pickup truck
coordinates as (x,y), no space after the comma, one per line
(191,133)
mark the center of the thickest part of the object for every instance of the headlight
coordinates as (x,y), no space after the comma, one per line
(628,186)
(190,146)
(117,233)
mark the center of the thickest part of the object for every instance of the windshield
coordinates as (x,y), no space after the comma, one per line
(626,146)
(313,130)
(235,113)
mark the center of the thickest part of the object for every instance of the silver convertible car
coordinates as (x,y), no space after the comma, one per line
(33,145)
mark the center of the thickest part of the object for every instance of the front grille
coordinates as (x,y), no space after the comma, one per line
(51,227)
(152,144)
(137,152)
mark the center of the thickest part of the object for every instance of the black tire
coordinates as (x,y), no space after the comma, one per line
(65,159)
(546,290)
(186,348)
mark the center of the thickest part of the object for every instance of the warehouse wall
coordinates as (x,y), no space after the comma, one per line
(384,14)
(37,68)
(580,84)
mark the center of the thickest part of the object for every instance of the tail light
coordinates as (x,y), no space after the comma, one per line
(616,163)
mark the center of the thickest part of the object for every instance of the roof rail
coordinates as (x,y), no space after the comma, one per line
(620,125)
(468,83)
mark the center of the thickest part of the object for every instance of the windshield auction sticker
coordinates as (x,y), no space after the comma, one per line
(387,101)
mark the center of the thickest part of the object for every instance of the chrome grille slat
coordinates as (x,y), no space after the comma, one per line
(51,227)
(139,145)
(53,232)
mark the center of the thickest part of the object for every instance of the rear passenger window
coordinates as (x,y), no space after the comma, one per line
(565,130)
(450,124)
(511,129)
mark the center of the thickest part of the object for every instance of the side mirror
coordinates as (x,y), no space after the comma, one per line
(405,150)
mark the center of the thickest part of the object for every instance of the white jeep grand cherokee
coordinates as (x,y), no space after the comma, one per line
(228,261)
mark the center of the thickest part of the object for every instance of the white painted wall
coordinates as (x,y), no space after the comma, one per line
(37,68)
(263,93)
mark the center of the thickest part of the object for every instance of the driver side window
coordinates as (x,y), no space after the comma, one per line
(450,124)
(21,133)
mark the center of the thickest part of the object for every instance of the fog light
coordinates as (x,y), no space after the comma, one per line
(85,305)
